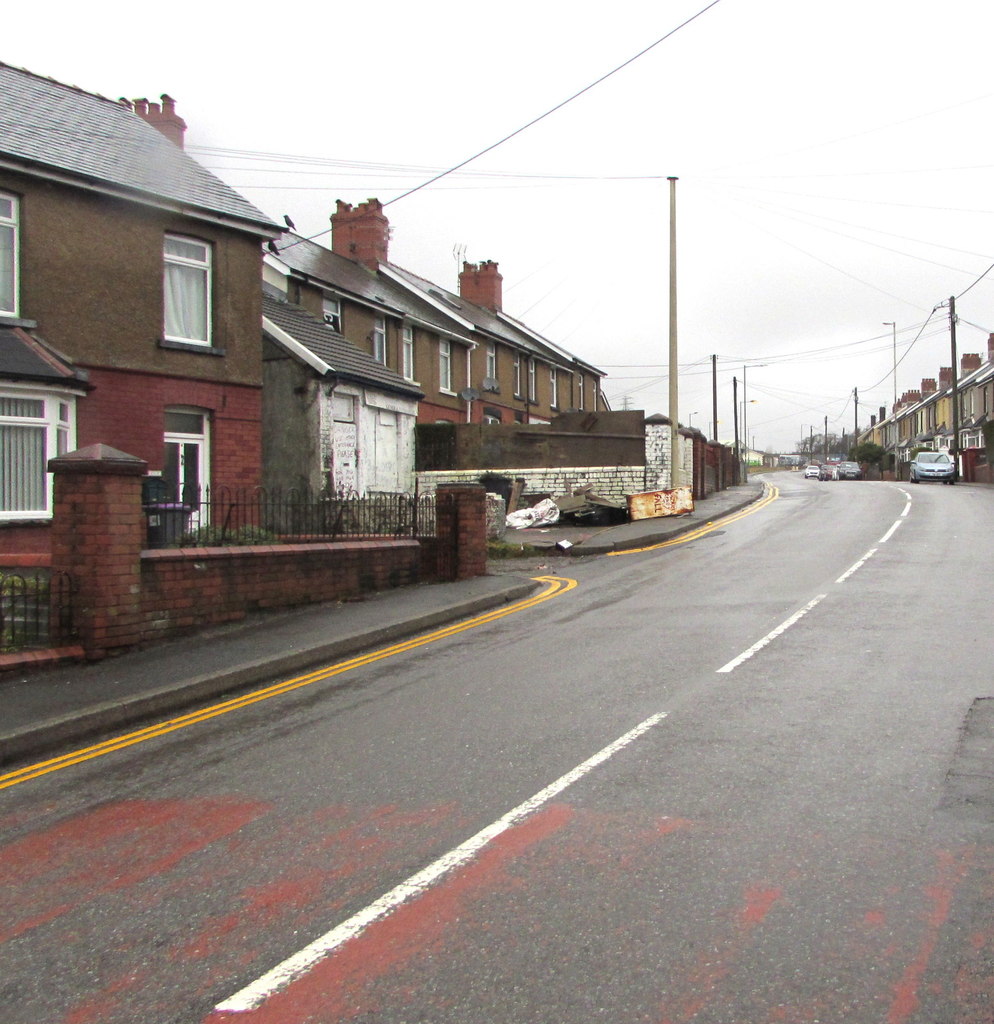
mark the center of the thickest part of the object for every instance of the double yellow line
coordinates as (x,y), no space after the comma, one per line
(556,586)
(770,494)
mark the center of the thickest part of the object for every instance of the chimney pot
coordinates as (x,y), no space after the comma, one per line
(163,118)
(969,362)
(361,234)
(482,284)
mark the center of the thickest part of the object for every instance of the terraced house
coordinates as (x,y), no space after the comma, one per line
(473,362)
(130,302)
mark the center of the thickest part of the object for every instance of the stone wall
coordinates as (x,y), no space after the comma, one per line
(613,482)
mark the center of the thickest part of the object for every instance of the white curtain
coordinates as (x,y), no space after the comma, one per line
(186,302)
(7,297)
(22,469)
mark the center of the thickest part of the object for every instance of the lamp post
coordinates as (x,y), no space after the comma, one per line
(675,474)
(893,326)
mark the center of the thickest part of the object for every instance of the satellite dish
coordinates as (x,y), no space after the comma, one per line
(469,394)
(491,384)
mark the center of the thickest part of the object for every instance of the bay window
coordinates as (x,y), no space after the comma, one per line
(35,426)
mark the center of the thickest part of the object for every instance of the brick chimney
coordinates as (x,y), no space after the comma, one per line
(969,362)
(163,117)
(911,397)
(990,348)
(482,283)
(945,377)
(928,386)
(883,412)
(361,234)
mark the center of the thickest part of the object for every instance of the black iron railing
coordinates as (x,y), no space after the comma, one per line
(230,516)
(36,609)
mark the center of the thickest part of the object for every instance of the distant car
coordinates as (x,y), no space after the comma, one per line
(811,472)
(933,466)
(850,471)
(828,472)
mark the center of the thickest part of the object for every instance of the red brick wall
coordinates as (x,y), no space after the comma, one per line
(127,596)
(187,589)
(127,411)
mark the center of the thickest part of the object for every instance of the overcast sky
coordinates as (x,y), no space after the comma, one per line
(834,162)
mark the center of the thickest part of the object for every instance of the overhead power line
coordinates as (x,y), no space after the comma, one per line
(558,106)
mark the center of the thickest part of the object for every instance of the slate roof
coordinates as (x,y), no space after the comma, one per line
(24,357)
(48,126)
(497,324)
(341,357)
(324,266)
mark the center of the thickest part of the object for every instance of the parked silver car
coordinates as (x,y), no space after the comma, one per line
(932,466)
(850,471)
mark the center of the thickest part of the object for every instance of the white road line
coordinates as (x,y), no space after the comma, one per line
(890,533)
(256,993)
(783,627)
(858,565)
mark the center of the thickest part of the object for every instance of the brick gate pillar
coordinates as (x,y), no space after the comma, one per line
(461,529)
(98,531)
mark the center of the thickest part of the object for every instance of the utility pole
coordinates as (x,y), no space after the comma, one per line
(826,439)
(714,398)
(954,447)
(735,417)
(675,474)
(855,422)
(893,326)
(745,429)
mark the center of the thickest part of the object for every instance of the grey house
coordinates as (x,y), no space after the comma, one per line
(333,417)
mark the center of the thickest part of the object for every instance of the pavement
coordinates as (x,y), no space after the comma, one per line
(45,710)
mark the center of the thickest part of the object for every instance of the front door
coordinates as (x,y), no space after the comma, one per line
(185,459)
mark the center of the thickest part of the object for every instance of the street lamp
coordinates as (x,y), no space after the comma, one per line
(893,326)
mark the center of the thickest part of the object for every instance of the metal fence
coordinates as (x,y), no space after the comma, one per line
(231,516)
(35,609)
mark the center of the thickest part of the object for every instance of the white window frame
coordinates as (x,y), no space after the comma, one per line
(445,365)
(407,352)
(57,422)
(10,228)
(200,442)
(532,381)
(379,338)
(331,308)
(553,387)
(517,374)
(491,361)
(579,391)
(191,268)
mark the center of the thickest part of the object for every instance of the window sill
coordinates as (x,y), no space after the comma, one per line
(9,320)
(190,346)
(446,391)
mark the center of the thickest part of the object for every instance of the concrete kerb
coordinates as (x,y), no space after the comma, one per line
(119,714)
(674,528)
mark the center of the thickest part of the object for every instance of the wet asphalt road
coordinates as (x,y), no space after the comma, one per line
(801,832)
